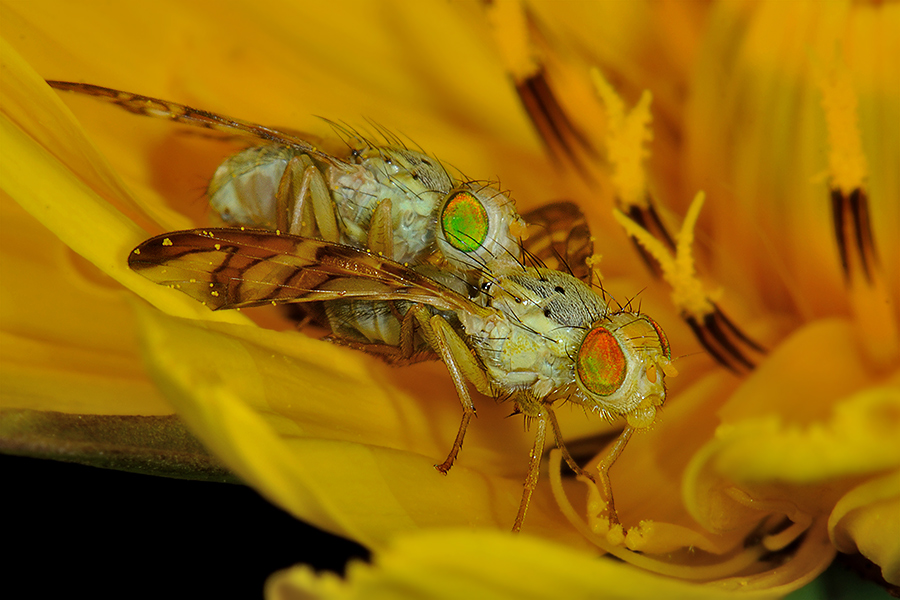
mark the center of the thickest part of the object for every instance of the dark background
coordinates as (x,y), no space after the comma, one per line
(70,529)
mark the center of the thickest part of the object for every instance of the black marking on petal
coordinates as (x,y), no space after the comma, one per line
(734,330)
(724,341)
(853,231)
(658,226)
(552,123)
(865,240)
(649,220)
(837,217)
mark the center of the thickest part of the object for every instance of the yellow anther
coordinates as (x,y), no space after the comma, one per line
(678,269)
(627,135)
(846,161)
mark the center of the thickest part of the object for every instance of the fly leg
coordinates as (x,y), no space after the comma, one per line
(557,434)
(381,230)
(534,470)
(299,216)
(461,363)
(606,464)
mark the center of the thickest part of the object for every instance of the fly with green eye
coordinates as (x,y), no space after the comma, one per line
(535,336)
(390,199)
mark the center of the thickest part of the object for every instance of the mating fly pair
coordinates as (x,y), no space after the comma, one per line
(533,335)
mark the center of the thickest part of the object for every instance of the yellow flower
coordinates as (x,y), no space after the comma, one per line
(751,103)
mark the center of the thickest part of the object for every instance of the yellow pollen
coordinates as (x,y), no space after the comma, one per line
(166,242)
(518,229)
(678,270)
(626,137)
(669,369)
(846,161)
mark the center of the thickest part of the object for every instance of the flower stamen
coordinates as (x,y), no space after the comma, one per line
(848,171)
(520,44)
(627,134)
(729,565)
(725,342)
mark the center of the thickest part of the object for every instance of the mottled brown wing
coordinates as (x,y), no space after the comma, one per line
(179,113)
(234,268)
(559,237)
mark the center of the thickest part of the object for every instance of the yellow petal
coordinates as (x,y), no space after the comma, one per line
(334,436)
(490,565)
(67,332)
(757,143)
(315,430)
(61,195)
(867,520)
(796,434)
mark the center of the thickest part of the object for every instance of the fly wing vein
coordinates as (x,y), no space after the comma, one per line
(233,268)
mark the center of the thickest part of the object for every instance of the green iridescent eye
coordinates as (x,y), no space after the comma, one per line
(601,364)
(464,222)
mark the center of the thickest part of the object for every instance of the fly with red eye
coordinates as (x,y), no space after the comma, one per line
(534,336)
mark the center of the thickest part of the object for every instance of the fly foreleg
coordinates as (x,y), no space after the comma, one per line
(606,464)
(534,471)
(461,363)
(567,456)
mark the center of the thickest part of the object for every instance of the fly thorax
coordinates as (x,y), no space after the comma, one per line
(415,184)
(546,312)
(550,300)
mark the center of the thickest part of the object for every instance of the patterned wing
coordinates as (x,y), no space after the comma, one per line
(234,268)
(560,239)
(179,113)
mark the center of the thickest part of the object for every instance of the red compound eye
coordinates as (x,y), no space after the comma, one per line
(601,364)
